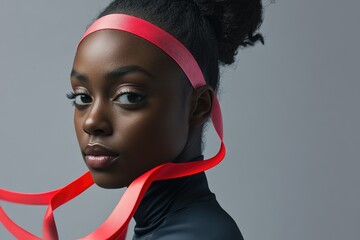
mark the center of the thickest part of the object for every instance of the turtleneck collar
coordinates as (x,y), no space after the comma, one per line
(167,196)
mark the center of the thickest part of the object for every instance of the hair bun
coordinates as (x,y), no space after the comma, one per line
(235,23)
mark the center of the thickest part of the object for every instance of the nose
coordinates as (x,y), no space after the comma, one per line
(97,121)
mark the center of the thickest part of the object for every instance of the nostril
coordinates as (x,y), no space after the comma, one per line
(98,129)
(97,123)
(98,132)
(94,131)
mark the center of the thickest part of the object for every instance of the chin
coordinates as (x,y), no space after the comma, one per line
(109,185)
(107,181)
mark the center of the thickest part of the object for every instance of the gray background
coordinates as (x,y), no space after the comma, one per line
(291,112)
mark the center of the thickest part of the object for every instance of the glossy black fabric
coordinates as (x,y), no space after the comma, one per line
(183,209)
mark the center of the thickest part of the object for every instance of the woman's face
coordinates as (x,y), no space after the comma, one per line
(131,107)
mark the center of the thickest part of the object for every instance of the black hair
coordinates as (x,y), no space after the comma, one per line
(212,30)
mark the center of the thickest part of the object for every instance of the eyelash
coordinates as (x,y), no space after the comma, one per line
(139,99)
(73,95)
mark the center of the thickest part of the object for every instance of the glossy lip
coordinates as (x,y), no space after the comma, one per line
(98,156)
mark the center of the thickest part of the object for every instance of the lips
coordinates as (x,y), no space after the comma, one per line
(99,156)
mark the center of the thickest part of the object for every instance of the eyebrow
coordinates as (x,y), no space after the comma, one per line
(115,73)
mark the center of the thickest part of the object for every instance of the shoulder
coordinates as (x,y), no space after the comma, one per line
(204,220)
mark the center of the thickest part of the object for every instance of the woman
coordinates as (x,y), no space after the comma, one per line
(137,107)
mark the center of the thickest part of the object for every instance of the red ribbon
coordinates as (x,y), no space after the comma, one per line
(115,226)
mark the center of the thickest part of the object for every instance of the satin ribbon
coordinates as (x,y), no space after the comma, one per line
(115,226)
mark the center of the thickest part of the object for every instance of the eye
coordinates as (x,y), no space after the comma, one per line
(80,99)
(130,98)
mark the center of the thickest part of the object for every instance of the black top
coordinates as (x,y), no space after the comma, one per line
(183,209)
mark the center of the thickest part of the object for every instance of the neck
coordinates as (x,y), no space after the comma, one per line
(192,148)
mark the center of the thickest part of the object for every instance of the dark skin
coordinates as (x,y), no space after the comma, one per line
(131,97)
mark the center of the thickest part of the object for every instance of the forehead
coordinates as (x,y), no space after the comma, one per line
(108,49)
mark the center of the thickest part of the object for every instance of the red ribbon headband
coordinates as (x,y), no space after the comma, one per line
(115,226)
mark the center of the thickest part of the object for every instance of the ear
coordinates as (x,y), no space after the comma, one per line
(202,102)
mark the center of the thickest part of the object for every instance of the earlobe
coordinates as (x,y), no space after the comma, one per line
(202,102)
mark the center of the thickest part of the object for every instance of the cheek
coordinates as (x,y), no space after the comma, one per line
(78,125)
(158,135)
